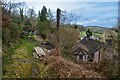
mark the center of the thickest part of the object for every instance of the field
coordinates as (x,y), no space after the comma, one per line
(82,34)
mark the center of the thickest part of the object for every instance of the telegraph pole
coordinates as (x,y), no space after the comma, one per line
(58,24)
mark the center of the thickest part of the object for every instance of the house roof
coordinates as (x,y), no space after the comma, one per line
(81,47)
(91,44)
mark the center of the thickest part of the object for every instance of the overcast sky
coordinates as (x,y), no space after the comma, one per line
(104,12)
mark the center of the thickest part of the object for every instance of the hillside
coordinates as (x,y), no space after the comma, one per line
(51,44)
(97,29)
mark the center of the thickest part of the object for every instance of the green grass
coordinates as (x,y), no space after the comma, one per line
(22,51)
(13,67)
(28,44)
(7,58)
(82,34)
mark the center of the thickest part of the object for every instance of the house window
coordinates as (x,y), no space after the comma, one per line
(80,56)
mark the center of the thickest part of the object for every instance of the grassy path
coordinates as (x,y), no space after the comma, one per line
(18,58)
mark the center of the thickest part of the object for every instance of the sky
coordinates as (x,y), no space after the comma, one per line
(89,13)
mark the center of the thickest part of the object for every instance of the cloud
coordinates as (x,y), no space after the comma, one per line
(104,13)
(109,15)
(68,6)
(38,6)
(101,9)
(95,9)
(69,0)
(86,22)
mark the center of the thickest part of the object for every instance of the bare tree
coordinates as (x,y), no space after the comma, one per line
(31,13)
(50,15)
(11,5)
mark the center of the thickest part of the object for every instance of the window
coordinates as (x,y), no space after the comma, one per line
(80,56)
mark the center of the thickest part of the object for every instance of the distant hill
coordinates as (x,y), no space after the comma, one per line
(95,29)
(82,28)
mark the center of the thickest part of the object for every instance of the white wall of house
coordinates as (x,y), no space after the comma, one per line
(97,56)
(77,57)
(84,57)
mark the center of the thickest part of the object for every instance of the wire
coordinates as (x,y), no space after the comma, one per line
(81,18)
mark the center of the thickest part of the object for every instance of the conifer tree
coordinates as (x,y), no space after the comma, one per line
(43,16)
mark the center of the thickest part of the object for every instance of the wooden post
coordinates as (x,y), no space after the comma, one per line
(1,42)
(58,24)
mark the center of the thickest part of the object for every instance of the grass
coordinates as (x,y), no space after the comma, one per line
(24,47)
(29,45)
(13,67)
(82,34)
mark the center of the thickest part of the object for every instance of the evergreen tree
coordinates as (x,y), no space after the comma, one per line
(88,33)
(43,16)
(21,13)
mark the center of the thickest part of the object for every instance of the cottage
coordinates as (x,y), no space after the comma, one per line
(88,50)
(80,51)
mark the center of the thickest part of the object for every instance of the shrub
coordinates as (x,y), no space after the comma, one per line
(17,70)
(11,34)
(6,36)
(44,27)
(68,37)
(108,68)
(15,31)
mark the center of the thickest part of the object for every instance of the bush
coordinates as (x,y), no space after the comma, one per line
(109,68)
(68,37)
(11,34)
(44,27)
(17,70)
(6,36)
(15,31)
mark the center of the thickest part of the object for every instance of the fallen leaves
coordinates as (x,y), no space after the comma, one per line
(59,67)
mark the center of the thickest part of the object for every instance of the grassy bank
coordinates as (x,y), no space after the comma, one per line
(20,51)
